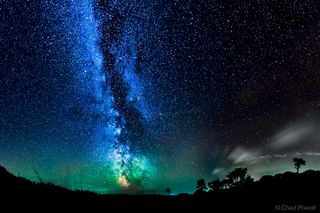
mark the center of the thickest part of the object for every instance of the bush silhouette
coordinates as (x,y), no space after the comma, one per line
(201,186)
(215,185)
(238,176)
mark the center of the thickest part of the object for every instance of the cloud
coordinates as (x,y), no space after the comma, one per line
(220,172)
(275,154)
(312,153)
(293,135)
(243,155)
(279,156)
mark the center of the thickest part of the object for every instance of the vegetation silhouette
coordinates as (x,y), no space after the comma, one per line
(239,176)
(298,162)
(201,186)
(238,192)
(215,185)
(168,191)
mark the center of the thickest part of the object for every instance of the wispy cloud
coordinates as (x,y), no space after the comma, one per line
(298,139)
(243,155)
(293,135)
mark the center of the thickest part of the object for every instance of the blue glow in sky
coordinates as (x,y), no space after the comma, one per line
(131,95)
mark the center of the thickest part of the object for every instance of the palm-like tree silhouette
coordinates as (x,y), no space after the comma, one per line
(298,162)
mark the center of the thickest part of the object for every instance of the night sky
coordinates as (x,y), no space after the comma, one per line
(141,95)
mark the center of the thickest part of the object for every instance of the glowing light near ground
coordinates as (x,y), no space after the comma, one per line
(122,180)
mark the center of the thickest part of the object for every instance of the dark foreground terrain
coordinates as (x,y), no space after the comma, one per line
(289,192)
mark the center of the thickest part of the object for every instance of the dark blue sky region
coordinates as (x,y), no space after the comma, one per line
(137,96)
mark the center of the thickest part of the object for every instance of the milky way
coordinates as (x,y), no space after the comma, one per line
(111,36)
(139,96)
(121,27)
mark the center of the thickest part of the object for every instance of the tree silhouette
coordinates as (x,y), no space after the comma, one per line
(168,191)
(248,180)
(201,185)
(38,175)
(238,175)
(298,162)
(215,185)
(226,183)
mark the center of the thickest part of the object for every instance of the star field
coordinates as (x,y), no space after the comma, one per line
(138,96)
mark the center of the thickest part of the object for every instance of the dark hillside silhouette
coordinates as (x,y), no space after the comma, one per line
(264,195)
